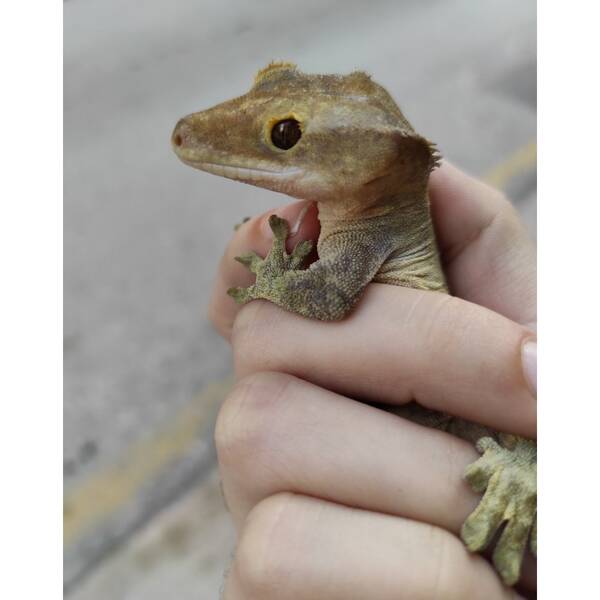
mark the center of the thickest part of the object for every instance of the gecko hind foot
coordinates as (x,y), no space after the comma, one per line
(507,473)
(269,270)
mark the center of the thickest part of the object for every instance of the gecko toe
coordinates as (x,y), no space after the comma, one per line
(508,476)
(250,260)
(240,295)
(300,252)
(279,227)
(509,551)
(482,524)
(533,540)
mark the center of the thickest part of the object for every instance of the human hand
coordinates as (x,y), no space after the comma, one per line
(337,499)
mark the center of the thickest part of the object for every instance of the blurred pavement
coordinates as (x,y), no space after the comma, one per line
(144,372)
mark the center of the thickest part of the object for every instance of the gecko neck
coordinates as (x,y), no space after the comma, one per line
(400,213)
(401,220)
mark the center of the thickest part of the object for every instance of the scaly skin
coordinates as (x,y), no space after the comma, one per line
(365,166)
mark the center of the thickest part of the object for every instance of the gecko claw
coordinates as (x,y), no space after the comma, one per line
(250,260)
(300,252)
(279,227)
(240,295)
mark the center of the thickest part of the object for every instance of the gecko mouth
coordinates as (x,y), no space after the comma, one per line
(239,172)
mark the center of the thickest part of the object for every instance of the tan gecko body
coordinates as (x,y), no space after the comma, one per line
(343,142)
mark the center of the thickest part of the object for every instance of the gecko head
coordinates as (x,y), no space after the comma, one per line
(319,137)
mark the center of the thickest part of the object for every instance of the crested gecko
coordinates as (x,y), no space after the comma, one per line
(343,142)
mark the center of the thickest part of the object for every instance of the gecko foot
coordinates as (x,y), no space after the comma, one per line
(507,472)
(269,271)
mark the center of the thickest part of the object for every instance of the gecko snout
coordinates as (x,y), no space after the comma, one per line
(185,135)
(180,133)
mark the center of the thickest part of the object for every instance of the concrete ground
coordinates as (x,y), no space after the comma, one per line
(144,372)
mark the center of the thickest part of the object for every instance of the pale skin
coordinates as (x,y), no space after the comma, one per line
(333,498)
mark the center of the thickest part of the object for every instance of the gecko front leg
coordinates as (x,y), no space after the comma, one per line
(327,290)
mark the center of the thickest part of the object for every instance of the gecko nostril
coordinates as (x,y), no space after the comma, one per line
(177,139)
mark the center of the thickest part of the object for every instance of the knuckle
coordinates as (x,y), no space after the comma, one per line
(495,197)
(263,556)
(447,579)
(506,221)
(445,312)
(217,319)
(458,457)
(499,198)
(242,430)
(474,342)
(254,331)
(244,329)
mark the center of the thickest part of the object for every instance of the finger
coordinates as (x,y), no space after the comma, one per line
(488,256)
(400,345)
(277,433)
(303,548)
(255,236)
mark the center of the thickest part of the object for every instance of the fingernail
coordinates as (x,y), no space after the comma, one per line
(529,358)
(293,216)
(298,221)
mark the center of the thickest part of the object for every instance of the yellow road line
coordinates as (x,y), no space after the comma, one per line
(96,498)
(521,161)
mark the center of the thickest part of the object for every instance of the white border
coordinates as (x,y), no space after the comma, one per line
(569,250)
(31,321)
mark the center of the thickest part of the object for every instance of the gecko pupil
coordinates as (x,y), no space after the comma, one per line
(286,133)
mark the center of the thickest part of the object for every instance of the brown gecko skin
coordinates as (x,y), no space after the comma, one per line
(343,142)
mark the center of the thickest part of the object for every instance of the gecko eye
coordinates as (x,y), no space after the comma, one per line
(286,133)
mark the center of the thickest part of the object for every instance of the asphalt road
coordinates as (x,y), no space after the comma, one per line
(143,233)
